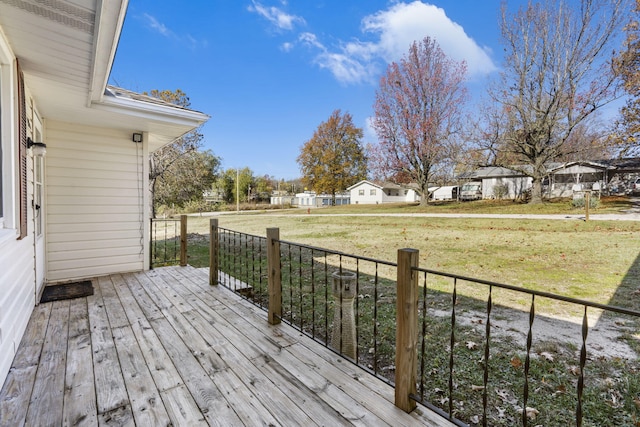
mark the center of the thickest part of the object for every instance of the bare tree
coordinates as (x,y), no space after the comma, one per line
(627,66)
(557,74)
(418,112)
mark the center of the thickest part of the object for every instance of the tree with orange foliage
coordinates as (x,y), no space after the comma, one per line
(627,67)
(333,159)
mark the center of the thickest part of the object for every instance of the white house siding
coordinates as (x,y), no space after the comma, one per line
(516,186)
(382,195)
(367,197)
(17,295)
(95,221)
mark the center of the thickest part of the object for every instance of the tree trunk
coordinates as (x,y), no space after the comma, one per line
(536,191)
(424,197)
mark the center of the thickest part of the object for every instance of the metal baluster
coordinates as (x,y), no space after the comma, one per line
(375,322)
(423,338)
(452,342)
(583,360)
(485,379)
(313,296)
(527,362)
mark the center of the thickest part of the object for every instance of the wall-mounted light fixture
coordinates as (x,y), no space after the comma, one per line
(137,137)
(39,149)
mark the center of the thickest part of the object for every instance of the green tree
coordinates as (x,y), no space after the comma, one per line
(333,159)
(235,181)
(179,172)
(190,176)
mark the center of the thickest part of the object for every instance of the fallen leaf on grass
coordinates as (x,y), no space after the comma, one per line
(476,387)
(471,345)
(516,362)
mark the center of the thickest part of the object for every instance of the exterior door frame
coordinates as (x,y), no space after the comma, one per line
(38,206)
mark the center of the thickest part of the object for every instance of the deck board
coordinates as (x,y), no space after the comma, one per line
(45,406)
(165,348)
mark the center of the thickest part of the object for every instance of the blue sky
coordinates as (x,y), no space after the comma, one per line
(268,72)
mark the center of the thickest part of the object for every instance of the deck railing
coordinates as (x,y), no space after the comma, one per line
(168,241)
(470,349)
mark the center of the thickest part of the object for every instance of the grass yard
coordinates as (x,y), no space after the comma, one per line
(597,260)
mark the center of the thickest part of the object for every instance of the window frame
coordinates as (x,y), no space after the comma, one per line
(7,142)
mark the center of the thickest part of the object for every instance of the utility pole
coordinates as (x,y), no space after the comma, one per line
(237,190)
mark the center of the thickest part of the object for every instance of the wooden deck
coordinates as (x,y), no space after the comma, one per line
(164,348)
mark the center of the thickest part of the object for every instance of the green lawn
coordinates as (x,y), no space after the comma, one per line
(596,260)
(606,205)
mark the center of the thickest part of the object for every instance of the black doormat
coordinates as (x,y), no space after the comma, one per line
(67,291)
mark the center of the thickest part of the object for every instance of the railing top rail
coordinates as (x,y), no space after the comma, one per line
(165,219)
(244,234)
(332,252)
(544,294)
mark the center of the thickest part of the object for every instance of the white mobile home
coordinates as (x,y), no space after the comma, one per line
(80,210)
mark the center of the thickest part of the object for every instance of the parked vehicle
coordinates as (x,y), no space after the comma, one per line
(448,192)
(634,186)
(471,191)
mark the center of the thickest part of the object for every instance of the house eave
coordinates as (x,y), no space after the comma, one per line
(106,40)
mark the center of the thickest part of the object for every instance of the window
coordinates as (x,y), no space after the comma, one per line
(361,192)
(372,192)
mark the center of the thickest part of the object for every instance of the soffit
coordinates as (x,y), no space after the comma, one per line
(66,49)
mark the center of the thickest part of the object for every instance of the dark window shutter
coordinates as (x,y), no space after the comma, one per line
(22,152)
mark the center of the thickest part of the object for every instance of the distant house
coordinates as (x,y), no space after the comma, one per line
(562,179)
(512,183)
(311,199)
(367,192)
(80,209)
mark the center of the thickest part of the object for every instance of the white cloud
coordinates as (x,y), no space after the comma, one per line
(394,30)
(286,47)
(157,26)
(187,39)
(276,16)
(404,23)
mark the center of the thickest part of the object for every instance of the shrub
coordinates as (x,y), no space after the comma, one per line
(579,202)
(500,191)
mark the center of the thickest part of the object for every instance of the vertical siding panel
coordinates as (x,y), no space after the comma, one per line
(94,202)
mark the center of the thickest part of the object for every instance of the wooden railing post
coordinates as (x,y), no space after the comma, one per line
(183,240)
(214,247)
(406,329)
(274,280)
(587,202)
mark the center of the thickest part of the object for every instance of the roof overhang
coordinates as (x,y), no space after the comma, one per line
(66,49)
